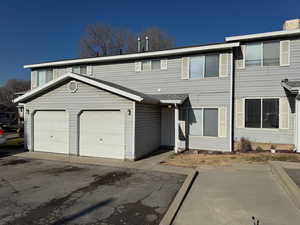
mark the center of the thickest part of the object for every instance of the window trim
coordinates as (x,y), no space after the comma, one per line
(261,114)
(202,128)
(86,69)
(45,70)
(262,53)
(204,59)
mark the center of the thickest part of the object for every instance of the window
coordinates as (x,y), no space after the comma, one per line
(263,54)
(146,65)
(262,113)
(203,122)
(44,76)
(155,64)
(253,54)
(80,69)
(211,65)
(204,66)
(197,67)
(271,53)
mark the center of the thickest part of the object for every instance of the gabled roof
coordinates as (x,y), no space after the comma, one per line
(133,56)
(108,86)
(274,34)
(111,87)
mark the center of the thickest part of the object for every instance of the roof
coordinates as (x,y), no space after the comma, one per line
(171,98)
(108,86)
(292,86)
(274,34)
(133,56)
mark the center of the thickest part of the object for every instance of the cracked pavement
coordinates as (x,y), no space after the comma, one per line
(52,193)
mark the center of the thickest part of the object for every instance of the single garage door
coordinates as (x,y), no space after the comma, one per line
(51,131)
(102,134)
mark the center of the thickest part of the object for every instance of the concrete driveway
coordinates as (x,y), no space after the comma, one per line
(234,195)
(34,191)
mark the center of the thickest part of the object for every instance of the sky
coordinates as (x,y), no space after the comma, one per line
(36,31)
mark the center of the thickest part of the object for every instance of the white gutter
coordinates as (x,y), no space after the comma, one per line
(137,55)
(273,34)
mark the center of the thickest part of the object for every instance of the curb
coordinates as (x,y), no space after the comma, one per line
(178,200)
(287,183)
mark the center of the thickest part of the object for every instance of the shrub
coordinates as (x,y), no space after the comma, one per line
(245,145)
(259,149)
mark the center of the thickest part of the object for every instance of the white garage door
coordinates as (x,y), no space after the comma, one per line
(51,131)
(102,134)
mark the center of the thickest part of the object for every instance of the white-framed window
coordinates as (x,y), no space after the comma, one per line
(262,112)
(262,54)
(203,122)
(82,69)
(44,76)
(155,64)
(202,66)
(151,65)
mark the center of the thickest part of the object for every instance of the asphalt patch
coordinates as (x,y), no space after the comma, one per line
(134,214)
(15,162)
(60,170)
(51,212)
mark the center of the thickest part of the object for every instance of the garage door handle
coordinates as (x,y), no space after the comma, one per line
(51,136)
(101,140)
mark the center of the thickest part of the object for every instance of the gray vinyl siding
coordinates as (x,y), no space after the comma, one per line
(147,129)
(86,98)
(265,82)
(208,100)
(202,91)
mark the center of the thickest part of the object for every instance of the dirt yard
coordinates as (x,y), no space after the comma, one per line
(191,159)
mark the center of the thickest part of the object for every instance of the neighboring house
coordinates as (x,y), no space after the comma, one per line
(200,97)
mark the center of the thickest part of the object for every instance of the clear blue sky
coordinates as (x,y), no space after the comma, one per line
(36,31)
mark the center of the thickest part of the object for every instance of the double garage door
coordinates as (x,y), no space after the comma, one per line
(101,133)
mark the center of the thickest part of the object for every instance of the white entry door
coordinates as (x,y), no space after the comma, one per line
(102,134)
(51,131)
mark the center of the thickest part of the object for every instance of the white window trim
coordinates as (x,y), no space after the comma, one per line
(204,77)
(202,128)
(262,55)
(261,114)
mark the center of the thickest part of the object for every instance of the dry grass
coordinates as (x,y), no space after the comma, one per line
(193,160)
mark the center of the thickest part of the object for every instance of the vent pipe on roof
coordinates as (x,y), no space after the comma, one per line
(147,44)
(139,44)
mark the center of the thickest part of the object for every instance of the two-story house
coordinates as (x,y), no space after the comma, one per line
(198,97)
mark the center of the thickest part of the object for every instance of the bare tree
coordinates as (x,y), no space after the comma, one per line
(103,39)
(7,93)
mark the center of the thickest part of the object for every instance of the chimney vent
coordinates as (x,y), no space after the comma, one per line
(139,44)
(147,44)
(291,24)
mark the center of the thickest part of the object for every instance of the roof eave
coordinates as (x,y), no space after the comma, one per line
(161,53)
(274,34)
(289,88)
(52,83)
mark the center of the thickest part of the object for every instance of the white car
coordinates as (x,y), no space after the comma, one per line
(2,136)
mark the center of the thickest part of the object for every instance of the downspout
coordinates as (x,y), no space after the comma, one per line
(231,127)
(176,119)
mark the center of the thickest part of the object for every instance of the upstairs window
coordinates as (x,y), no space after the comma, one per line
(155,64)
(263,54)
(44,76)
(80,69)
(253,54)
(262,113)
(204,66)
(271,51)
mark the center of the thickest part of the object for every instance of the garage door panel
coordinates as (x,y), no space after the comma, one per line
(102,134)
(51,131)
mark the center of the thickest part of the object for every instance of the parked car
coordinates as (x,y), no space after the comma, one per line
(2,136)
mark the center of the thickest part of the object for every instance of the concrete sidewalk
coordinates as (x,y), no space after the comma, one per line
(233,195)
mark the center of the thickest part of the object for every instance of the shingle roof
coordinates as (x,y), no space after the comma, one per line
(180,97)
